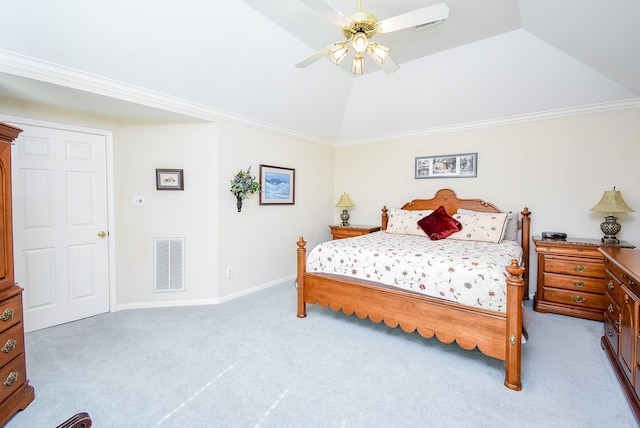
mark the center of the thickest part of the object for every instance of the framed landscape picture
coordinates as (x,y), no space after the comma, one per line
(447,166)
(278,185)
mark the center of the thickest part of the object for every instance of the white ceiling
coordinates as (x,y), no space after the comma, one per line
(234,59)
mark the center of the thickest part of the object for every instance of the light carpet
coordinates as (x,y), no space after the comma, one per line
(252,363)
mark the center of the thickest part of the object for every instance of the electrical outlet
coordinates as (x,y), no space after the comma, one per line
(229,272)
(138,200)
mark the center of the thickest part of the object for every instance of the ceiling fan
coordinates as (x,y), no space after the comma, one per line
(360,27)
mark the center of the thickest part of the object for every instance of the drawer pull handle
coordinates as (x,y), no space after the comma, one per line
(617,323)
(632,282)
(579,284)
(610,309)
(610,333)
(11,379)
(579,299)
(7,314)
(623,275)
(580,269)
(610,285)
(9,346)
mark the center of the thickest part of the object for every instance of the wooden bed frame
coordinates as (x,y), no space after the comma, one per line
(495,334)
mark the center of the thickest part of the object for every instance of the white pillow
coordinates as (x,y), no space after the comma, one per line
(405,222)
(511,229)
(479,226)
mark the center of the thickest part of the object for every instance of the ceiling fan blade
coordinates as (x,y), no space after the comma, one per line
(327,10)
(426,15)
(322,53)
(389,65)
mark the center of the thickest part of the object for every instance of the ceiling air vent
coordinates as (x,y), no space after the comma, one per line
(428,24)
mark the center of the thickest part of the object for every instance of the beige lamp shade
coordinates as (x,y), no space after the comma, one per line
(345,201)
(612,202)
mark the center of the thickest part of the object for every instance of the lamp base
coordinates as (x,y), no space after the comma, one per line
(610,227)
(344,216)
(610,240)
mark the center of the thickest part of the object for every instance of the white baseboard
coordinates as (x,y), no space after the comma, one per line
(201,302)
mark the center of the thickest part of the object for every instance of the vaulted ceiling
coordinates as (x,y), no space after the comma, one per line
(491,60)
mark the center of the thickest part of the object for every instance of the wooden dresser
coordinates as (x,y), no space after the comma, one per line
(339,232)
(15,391)
(571,277)
(620,340)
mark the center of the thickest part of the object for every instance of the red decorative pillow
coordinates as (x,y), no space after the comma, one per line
(439,224)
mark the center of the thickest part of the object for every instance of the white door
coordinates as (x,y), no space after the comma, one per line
(60,224)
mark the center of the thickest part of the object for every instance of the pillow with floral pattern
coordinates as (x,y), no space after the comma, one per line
(405,222)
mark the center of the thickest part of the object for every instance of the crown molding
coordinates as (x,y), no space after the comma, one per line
(33,68)
(44,71)
(510,120)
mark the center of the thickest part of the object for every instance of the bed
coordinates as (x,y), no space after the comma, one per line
(495,327)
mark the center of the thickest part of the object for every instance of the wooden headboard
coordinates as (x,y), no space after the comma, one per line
(449,200)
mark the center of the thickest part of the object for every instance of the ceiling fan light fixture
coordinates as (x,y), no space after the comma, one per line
(337,52)
(379,53)
(357,67)
(360,42)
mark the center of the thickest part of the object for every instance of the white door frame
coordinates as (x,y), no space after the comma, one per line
(108,135)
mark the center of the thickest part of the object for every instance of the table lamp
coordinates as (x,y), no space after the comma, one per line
(611,202)
(344,203)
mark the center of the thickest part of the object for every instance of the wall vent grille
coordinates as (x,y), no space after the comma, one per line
(169,264)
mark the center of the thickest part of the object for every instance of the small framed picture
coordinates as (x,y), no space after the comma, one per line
(447,166)
(278,185)
(169,179)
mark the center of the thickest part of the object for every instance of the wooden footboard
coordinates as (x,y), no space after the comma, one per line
(495,334)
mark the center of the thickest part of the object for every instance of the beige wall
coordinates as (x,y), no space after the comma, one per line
(258,243)
(140,148)
(558,168)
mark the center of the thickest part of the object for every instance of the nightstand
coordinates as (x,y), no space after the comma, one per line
(339,232)
(571,277)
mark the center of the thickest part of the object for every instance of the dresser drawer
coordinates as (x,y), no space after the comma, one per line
(574,283)
(12,376)
(611,332)
(348,233)
(576,299)
(617,273)
(587,252)
(612,288)
(612,310)
(10,312)
(340,232)
(574,266)
(11,344)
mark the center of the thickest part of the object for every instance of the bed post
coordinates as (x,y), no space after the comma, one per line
(526,239)
(302,262)
(385,217)
(513,337)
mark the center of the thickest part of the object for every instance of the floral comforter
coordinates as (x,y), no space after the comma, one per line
(472,273)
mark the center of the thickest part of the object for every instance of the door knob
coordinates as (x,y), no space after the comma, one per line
(102,234)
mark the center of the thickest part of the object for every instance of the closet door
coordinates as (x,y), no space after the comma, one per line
(60,224)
